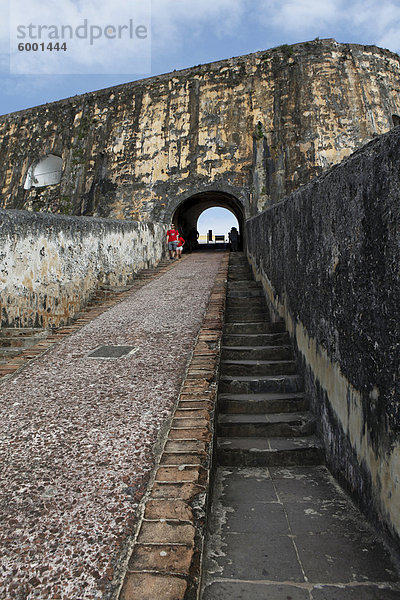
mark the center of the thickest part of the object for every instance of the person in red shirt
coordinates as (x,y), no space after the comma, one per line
(179,248)
(172,239)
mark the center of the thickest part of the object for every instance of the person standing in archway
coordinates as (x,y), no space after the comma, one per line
(234,239)
(172,240)
(192,239)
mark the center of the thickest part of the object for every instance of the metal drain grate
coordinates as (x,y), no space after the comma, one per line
(112,352)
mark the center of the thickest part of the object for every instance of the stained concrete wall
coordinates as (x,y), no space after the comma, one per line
(328,257)
(50,265)
(258,126)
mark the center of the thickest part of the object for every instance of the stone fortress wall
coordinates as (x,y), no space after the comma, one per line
(258,127)
(261,124)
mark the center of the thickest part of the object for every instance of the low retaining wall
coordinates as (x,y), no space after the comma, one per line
(51,265)
(329,257)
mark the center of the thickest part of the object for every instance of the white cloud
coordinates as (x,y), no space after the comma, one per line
(106,43)
(174,21)
(380,20)
(299,15)
(363,19)
(377,16)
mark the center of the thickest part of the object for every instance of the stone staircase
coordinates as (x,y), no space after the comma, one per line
(263,416)
(13,341)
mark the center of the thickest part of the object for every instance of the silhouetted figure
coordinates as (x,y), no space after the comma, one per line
(233,239)
(192,239)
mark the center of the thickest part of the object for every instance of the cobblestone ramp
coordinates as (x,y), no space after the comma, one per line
(78,435)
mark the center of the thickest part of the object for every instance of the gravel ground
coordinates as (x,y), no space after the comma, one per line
(77,436)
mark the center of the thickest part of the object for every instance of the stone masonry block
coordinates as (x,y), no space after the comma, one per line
(184,491)
(161,558)
(198,385)
(185,423)
(195,433)
(168,509)
(145,586)
(184,446)
(208,394)
(180,474)
(171,459)
(194,403)
(189,413)
(168,532)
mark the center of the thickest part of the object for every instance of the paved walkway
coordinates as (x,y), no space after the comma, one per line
(77,437)
(291,534)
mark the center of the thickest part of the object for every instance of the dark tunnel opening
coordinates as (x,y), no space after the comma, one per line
(188,212)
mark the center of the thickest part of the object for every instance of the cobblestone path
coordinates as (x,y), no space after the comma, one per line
(77,435)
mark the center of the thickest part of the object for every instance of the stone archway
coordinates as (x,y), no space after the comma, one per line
(186,215)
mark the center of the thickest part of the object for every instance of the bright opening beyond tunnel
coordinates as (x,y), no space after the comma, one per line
(219,220)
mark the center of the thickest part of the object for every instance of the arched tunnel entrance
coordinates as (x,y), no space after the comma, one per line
(186,216)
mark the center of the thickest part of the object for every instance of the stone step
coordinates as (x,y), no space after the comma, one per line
(8,353)
(237,368)
(248,303)
(242,316)
(245,293)
(237,257)
(263,403)
(248,284)
(20,331)
(268,425)
(269,452)
(280,352)
(243,384)
(240,272)
(20,341)
(254,327)
(114,289)
(240,276)
(239,264)
(255,340)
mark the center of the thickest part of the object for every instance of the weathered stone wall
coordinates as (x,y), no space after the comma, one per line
(259,125)
(329,256)
(51,265)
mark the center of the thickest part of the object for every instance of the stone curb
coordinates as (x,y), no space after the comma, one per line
(166,557)
(87,314)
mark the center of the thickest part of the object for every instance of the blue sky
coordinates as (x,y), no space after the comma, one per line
(185,33)
(219,220)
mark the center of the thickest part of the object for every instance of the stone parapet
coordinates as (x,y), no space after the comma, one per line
(51,265)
